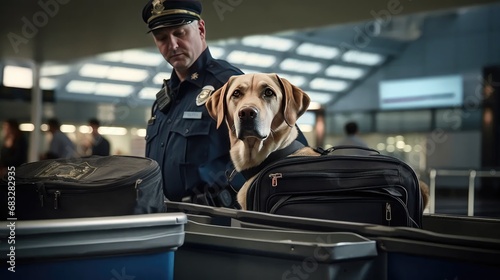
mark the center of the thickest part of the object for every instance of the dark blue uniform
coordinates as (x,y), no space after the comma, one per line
(184,140)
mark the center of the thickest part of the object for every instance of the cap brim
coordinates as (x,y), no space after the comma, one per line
(169,24)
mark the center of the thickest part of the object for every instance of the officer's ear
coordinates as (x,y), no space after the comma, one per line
(216,103)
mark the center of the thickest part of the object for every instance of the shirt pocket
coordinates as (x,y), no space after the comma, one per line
(193,140)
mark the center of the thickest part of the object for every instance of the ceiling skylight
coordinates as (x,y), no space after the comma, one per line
(268,42)
(344,72)
(217,52)
(294,79)
(251,59)
(320,97)
(318,51)
(100,71)
(158,78)
(109,89)
(328,84)
(139,57)
(48,83)
(77,86)
(301,66)
(364,58)
(54,70)
(148,93)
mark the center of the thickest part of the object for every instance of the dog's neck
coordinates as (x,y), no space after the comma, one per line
(251,152)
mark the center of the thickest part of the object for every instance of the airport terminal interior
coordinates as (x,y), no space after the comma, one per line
(421,79)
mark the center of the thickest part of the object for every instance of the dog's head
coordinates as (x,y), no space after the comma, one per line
(256,105)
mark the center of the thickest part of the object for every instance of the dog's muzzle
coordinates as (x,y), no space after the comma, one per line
(249,123)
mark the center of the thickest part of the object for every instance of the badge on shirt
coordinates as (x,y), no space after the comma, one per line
(203,96)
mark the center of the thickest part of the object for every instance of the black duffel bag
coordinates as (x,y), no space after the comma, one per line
(92,186)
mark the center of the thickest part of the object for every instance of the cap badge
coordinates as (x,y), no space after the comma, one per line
(158,7)
(203,96)
(194,76)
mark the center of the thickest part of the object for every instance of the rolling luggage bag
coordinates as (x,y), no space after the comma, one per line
(369,188)
(92,186)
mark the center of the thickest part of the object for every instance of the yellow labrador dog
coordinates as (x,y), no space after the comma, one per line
(260,111)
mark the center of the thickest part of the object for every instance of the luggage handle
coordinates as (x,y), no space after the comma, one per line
(346,147)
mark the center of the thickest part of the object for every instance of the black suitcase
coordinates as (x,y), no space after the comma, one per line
(370,188)
(92,186)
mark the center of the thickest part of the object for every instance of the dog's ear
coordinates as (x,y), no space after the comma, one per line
(295,101)
(216,103)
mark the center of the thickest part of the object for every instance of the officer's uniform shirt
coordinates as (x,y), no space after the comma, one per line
(184,140)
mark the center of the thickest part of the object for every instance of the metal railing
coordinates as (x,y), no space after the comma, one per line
(472,174)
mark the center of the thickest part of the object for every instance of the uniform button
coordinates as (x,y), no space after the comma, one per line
(147,137)
(186,130)
(162,144)
(169,121)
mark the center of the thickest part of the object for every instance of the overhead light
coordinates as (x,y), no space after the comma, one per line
(365,58)
(140,132)
(318,51)
(100,71)
(94,71)
(67,128)
(268,42)
(302,66)
(112,130)
(109,89)
(78,86)
(26,127)
(217,52)
(328,84)
(251,59)
(138,57)
(85,129)
(320,97)
(127,74)
(48,83)
(344,72)
(148,93)
(294,79)
(158,78)
(17,77)
(54,70)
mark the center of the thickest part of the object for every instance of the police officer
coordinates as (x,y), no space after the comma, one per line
(181,136)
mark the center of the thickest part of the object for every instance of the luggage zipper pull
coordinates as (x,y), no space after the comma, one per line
(40,188)
(274,178)
(57,194)
(137,182)
(388,212)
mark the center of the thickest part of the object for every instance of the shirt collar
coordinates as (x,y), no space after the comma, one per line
(197,71)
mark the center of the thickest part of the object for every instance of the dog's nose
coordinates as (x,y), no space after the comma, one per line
(248,113)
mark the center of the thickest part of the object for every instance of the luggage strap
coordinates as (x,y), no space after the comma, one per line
(274,156)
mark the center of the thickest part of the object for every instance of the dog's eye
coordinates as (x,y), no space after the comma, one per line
(268,92)
(236,93)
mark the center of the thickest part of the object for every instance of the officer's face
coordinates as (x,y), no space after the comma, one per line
(181,45)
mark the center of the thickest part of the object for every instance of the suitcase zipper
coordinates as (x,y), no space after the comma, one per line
(388,213)
(56,199)
(274,179)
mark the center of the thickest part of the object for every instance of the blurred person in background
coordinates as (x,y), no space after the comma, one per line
(14,150)
(60,145)
(99,145)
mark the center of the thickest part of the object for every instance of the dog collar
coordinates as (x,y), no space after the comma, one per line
(274,156)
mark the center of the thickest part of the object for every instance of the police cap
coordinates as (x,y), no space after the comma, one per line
(168,13)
